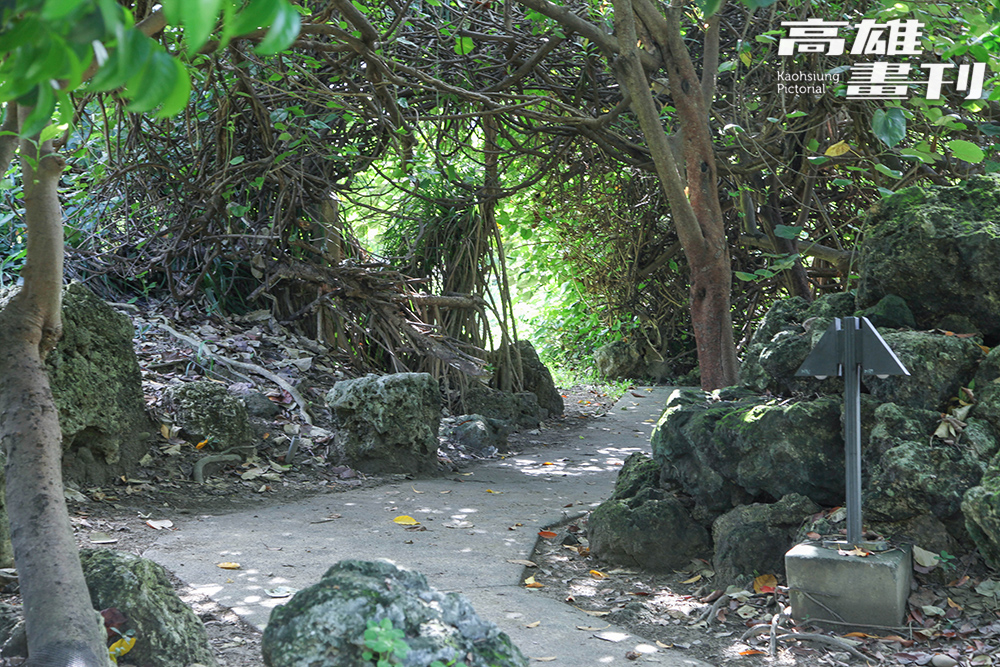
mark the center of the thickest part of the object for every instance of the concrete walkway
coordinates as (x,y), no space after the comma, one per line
(472,532)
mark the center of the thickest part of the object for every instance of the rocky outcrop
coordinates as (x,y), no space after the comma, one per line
(518,410)
(206,411)
(97,387)
(726,453)
(538,380)
(631,359)
(644,525)
(476,435)
(387,423)
(950,238)
(785,337)
(981,510)
(754,538)
(938,366)
(325,623)
(168,632)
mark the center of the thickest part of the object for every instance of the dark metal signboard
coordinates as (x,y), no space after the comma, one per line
(851,346)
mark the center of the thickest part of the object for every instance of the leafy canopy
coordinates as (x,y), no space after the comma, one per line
(49,48)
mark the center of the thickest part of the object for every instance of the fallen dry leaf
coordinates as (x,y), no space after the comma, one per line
(533,625)
(693,579)
(228,566)
(590,628)
(531,583)
(765,583)
(752,651)
(526,563)
(545,659)
(597,574)
(406,520)
(159,524)
(662,645)
(547,534)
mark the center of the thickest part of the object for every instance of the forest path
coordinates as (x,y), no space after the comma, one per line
(477,520)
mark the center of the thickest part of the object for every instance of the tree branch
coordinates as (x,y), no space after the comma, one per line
(633,79)
(710,59)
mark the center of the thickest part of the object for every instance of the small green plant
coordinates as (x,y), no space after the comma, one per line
(947,561)
(384,645)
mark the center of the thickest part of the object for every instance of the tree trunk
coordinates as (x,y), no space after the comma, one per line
(693,197)
(62,626)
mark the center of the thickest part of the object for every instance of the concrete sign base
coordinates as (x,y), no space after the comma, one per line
(855,591)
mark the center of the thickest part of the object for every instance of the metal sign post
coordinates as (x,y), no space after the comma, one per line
(849,347)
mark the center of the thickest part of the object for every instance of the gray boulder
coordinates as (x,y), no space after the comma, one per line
(98,389)
(387,423)
(538,380)
(981,510)
(169,634)
(939,365)
(937,248)
(783,340)
(891,312)
(617,360)
(733,452)
(477,435)
(518,410)
(642,524)
(925,477)
(754,538)
(324,625)
(206,410)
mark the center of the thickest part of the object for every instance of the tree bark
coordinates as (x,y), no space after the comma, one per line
(694,204)
(62,626)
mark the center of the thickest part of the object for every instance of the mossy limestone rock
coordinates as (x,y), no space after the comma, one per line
(618,360)
(891,312)
(925,477)
(206,410)
(939,365)
(937,248)
(517,409)
(324,625)
(169,633)
(538,380)
(729,453)
(788,332)
(97,387)
(643,525)
(981,509)
(387,423)
(754,538)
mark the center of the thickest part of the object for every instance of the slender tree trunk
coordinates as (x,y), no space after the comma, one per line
(62,626)
(693,196)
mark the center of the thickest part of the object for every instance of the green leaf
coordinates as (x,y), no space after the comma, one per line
(966,150)
(889,125)
(237,160)
(747,277)
(257,14)
(882,169)
(990,129)
(154,84)
(787,232)
(464,45)
(198,18)
(41,114)
(709,7)
(180,95)
(842,182)
(754,4)
(57,9)
(284,29)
